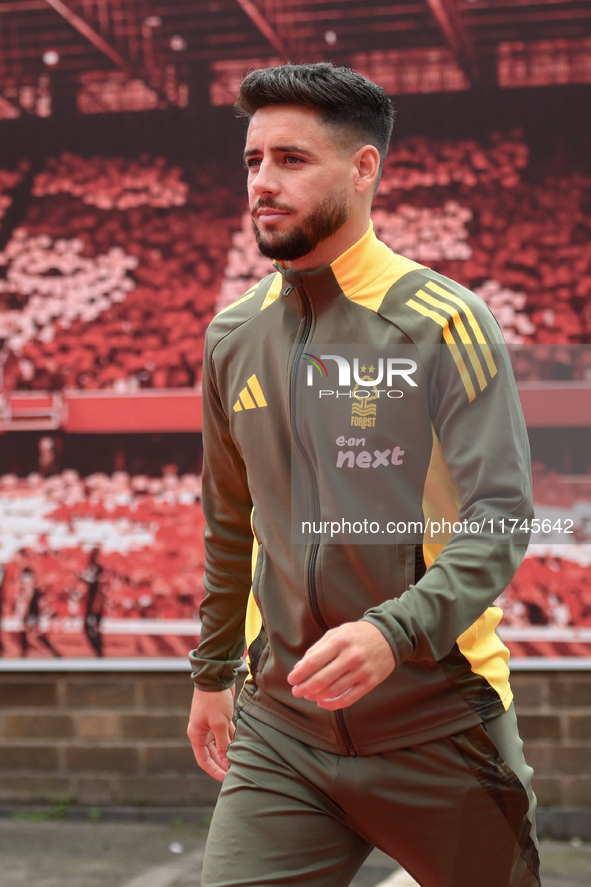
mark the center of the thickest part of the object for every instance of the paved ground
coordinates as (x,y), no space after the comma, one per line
(128,854)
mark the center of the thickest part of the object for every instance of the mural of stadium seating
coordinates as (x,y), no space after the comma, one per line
(107,284)
(148,534)
(118,265)
(547,607)
(111,279)
(477,214)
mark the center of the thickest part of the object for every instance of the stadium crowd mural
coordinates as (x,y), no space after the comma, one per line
(521,241)
(135,267)
(9,180)
(109,280)
(83,559)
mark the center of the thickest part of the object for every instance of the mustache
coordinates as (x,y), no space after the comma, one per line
(269,203)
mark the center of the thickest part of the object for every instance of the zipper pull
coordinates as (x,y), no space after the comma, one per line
(288,289)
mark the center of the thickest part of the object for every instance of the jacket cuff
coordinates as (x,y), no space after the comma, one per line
(213,675)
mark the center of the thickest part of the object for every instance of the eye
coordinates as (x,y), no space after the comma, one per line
(292,160)
(252,162)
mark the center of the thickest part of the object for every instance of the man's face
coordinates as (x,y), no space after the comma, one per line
(299,181)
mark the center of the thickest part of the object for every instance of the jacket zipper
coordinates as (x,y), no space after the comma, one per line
(298,441)
(315,544)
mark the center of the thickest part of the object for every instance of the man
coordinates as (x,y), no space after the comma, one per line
(30,605)
(93,576)
(377,711)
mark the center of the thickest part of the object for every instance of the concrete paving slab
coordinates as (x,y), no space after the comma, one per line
(72,854)
(131,854)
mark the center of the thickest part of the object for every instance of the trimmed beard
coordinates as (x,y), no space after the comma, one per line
(321,223)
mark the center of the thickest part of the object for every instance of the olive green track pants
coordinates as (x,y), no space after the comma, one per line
(456,812)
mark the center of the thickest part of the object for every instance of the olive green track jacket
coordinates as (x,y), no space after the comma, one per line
(453,446)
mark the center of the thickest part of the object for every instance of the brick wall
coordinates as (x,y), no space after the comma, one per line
(554,710)
(98,740)
(119,739)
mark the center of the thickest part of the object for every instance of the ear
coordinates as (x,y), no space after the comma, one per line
(367,165)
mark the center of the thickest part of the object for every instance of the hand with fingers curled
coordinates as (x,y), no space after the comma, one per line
(344,665)
(211,729)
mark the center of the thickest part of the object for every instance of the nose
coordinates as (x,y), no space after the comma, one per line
(263,180)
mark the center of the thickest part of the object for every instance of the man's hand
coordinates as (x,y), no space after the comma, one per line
(211,729)
(343,666)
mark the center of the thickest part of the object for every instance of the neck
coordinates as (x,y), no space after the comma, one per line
(327,251)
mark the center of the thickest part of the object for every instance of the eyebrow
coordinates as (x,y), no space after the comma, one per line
(282,149)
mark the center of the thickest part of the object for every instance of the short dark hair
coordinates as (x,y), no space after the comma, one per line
(343,99)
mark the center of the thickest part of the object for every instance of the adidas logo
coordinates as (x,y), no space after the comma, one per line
(251,396)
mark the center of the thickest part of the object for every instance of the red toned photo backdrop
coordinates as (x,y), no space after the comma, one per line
(122,233)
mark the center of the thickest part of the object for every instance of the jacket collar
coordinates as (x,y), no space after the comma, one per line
(367,259)
(350,273)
